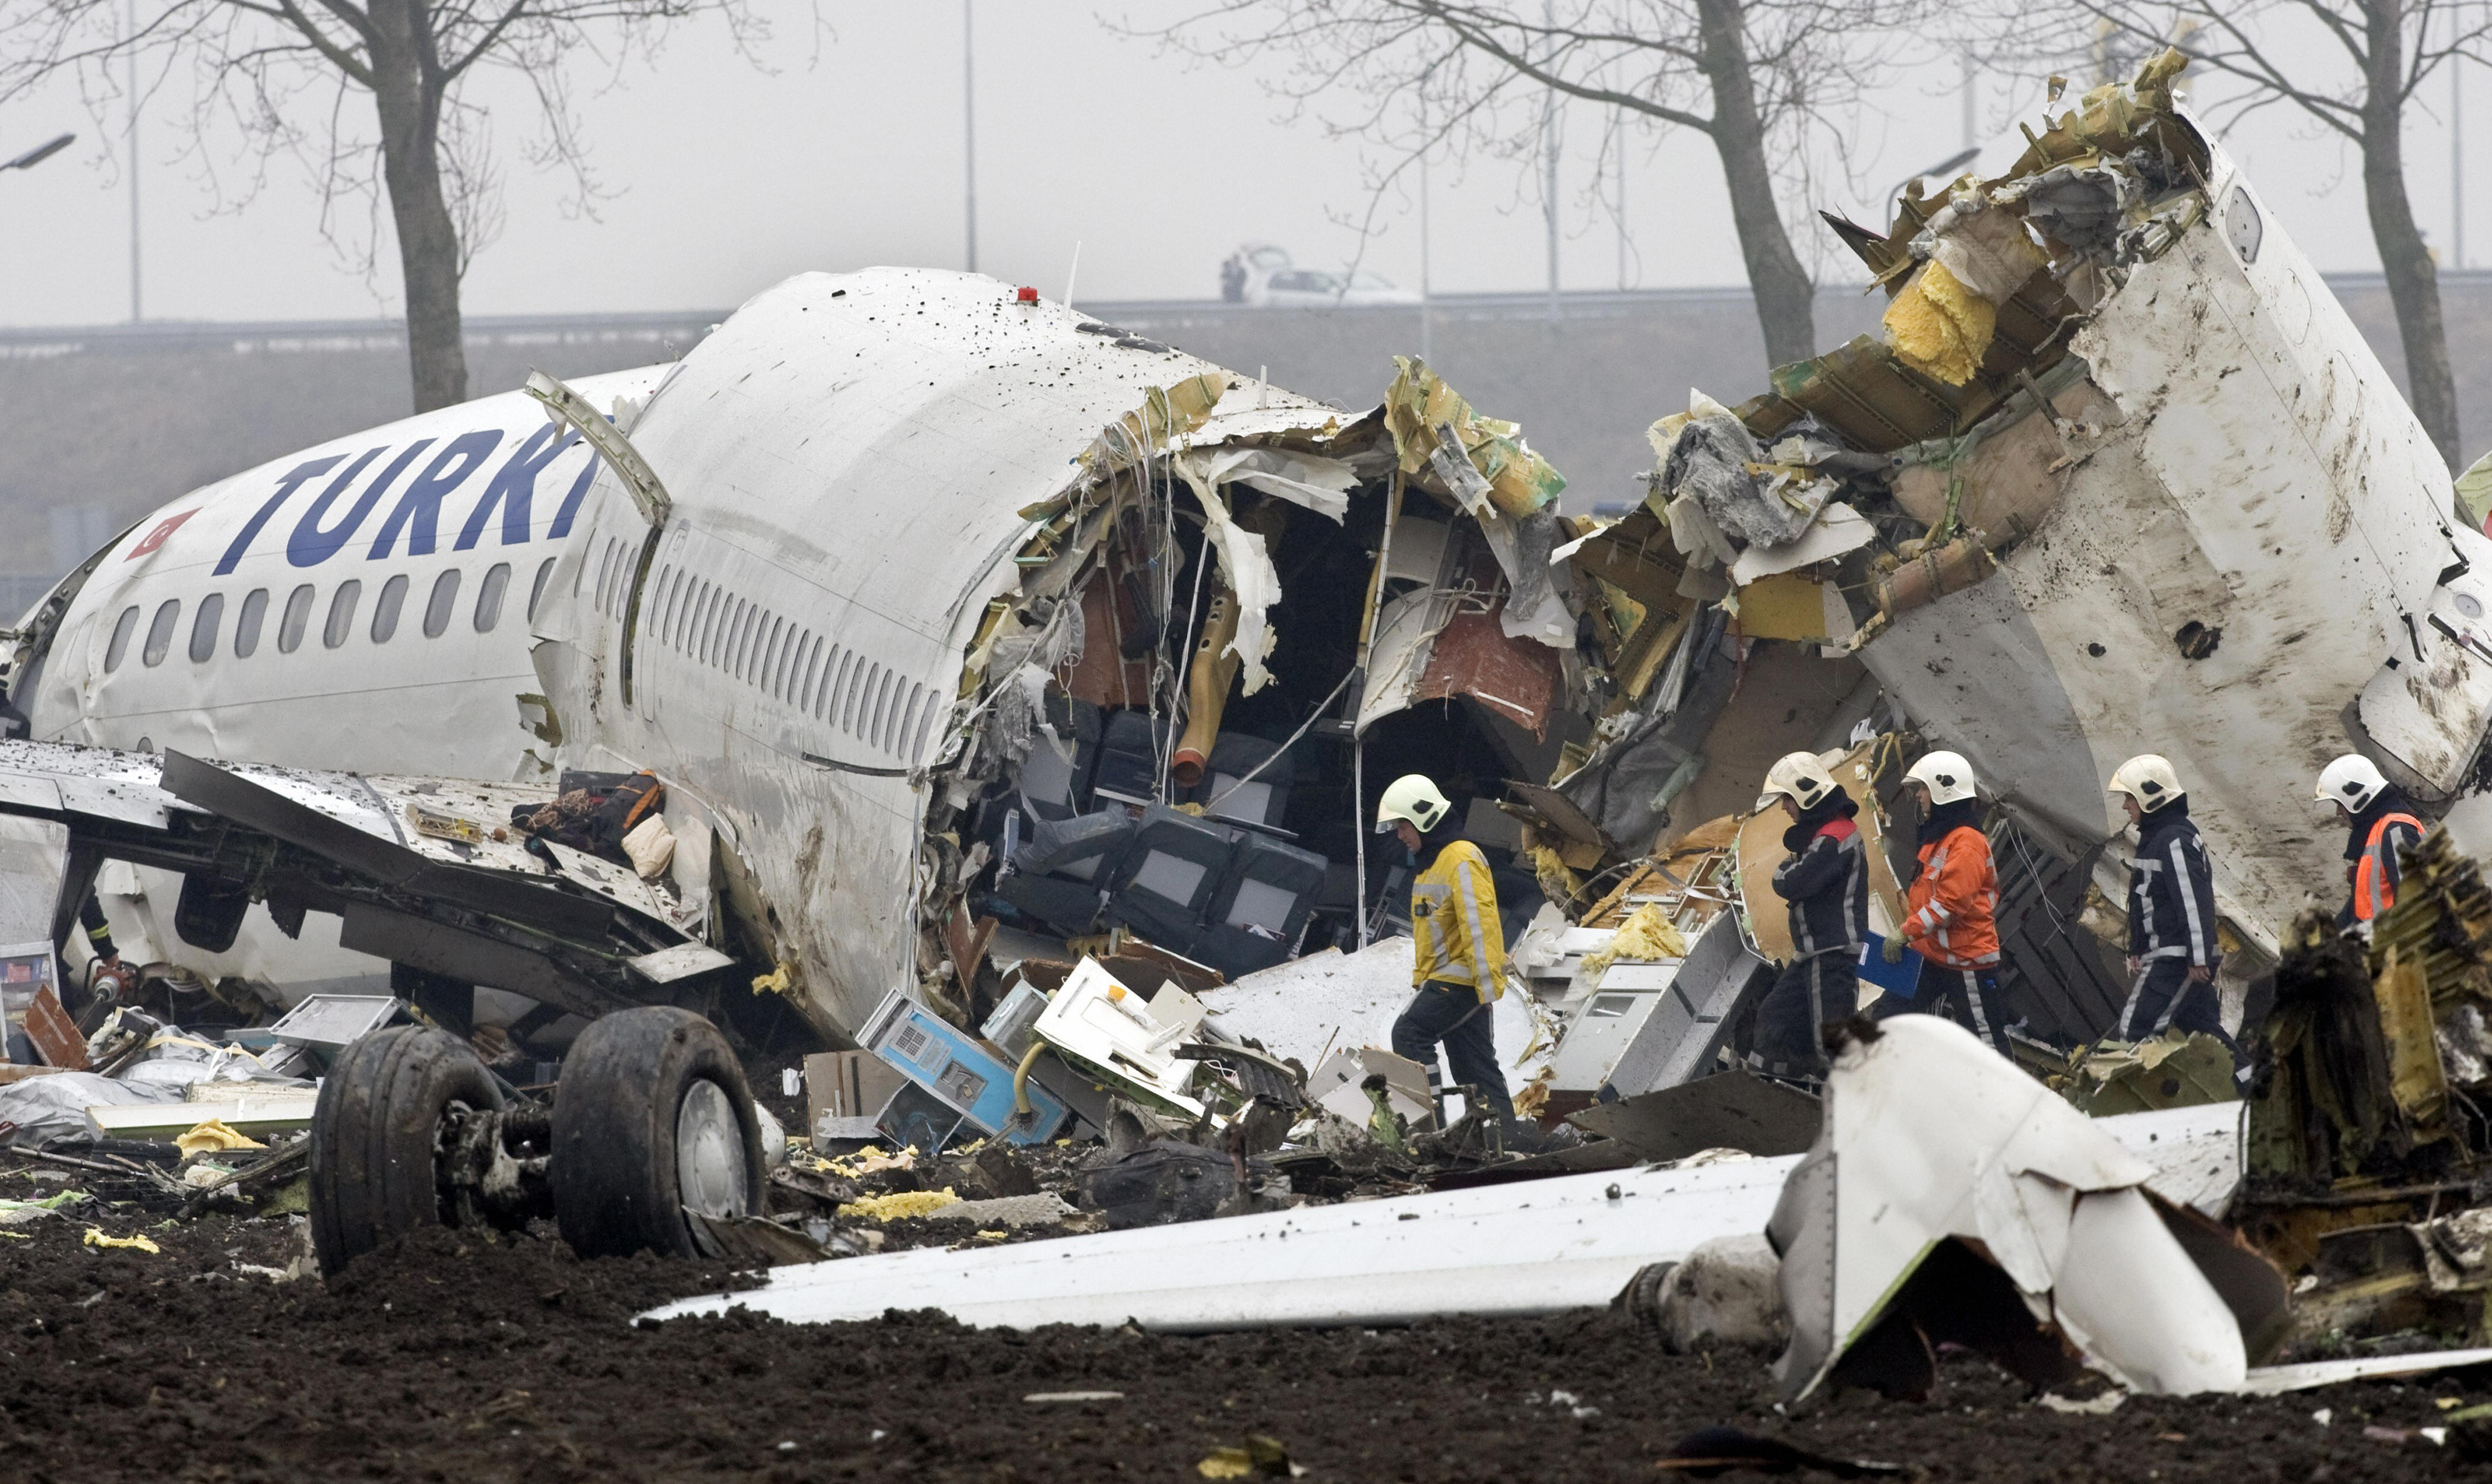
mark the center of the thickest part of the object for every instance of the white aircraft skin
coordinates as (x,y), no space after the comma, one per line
(282,616)
(844,504)
(453,502)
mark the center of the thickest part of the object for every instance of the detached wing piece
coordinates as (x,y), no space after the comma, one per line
(1951,1197)
(425,872)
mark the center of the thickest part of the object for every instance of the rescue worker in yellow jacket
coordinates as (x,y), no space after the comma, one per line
(2380,823)
(1459,967)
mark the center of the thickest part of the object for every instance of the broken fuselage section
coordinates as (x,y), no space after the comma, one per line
(969,612)
(2121,477)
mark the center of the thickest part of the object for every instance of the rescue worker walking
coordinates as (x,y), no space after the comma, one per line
(2381,823)
(1951,905)
(1825,879)
(2171,910)
(1459,967)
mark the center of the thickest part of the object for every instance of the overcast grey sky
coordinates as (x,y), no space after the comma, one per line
(729,178)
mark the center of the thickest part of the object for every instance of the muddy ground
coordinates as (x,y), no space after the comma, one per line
(461,1360)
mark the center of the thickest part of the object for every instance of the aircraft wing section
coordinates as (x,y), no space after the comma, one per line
(425,872)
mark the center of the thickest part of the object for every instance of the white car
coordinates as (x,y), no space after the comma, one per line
(1317,288)
(1263,274)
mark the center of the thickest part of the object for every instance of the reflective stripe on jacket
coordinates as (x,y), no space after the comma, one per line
(1454,921)
(1827,886)
(2172,892)
(1951,908)
(2377,873)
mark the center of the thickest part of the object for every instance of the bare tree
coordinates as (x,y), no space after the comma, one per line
(2349,65)
(284,73)
(1764,81)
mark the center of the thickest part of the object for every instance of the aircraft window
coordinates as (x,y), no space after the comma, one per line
(298,612)
(830,686)
(606,575)
(907,719)
(668,583)
(341,612)
(740,636)
(203,628)
(254,608)
(791,669)
(850,714)
(924,724)
(748,658)
(489,597)
(871,727)
(385,612)
(536,589)
(159,632)
(122,628)
(437,608)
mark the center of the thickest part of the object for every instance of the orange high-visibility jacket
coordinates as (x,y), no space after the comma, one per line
(2376,874)
(1951,907)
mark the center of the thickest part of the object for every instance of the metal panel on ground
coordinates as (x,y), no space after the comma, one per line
(1567,1242)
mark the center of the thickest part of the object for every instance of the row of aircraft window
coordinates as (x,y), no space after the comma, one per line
(207,620)
(709,625)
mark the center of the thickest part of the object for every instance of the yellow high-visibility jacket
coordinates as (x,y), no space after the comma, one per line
(1453,916)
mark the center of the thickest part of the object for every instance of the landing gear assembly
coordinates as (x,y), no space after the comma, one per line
(650,1134)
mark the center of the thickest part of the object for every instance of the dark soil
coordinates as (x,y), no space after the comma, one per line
(461,1360)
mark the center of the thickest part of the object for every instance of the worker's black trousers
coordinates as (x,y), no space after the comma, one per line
(1791,1024)
(2165,999)
(1455,1015)
(1970,998)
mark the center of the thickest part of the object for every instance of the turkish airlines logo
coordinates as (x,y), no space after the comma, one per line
(155,538)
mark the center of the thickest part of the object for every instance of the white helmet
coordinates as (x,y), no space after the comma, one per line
(1946,775)
(2351,781)
(1415,798)
(2147,778)
(1800,778)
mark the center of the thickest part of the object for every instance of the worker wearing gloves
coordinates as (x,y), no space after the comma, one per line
(1459,967)
(1825,879)
(1951,905)
(2171,910)
(2381,823)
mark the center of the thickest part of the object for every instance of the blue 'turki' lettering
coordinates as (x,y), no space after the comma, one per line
(561,527)
(290,480)
(418,510)
(514,486)
(310,546)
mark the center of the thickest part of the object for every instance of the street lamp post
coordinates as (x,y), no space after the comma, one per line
(40,152)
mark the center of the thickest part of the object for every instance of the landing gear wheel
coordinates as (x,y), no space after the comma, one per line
(377,1169)
(652,1115)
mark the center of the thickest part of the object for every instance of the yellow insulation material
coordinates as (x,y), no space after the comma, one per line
(900,1205)
(1642,937)
(1556,883)
(213,1136)
(1939,327)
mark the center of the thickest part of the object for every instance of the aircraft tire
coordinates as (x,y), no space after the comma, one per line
(375,1132)
(652,1115)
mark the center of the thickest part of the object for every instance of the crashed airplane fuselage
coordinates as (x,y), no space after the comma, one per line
(835,576)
